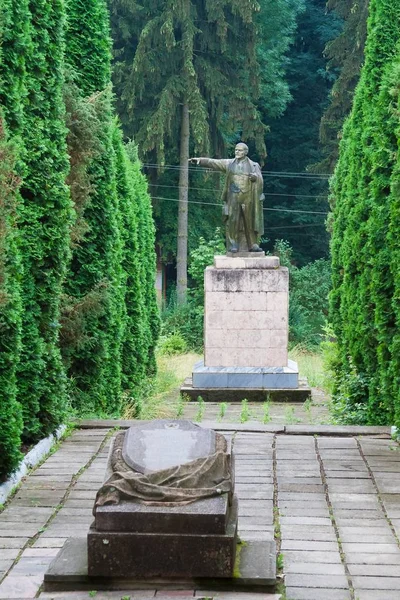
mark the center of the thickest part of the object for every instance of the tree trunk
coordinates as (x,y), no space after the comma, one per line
(181,258)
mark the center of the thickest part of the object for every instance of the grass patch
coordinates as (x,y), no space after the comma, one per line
(200,410)
(222,410)
(266,412)
(245,413)
(160,397)
(310,366)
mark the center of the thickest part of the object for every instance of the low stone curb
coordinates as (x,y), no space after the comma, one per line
(32,458)
(338,430)
(251,426)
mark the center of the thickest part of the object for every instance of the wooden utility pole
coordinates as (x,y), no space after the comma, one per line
(181,257)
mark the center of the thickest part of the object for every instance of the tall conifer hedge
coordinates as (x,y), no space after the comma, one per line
(44,220)
(108,277)
(10,308)
(14,39)
(96,368)
(365,309)
(114,252)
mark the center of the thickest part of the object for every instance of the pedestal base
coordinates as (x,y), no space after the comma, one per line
(134,554)
(299,394)
(255,571)
(246,377)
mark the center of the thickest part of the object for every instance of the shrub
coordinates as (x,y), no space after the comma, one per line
(172,344)
(188,319)
(309,287)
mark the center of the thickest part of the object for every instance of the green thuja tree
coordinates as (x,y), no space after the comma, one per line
(44,217)
(95,365)
(142,320)
(15,41)
(10,308)
(392,379)
(16,46)
(363,300)
(147,257)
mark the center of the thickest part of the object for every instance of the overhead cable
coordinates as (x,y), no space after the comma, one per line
(308,212)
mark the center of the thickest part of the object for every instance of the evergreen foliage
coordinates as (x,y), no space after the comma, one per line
(16,46)
(44,220)
(202,90)
(10,308)
(14,38)
(346,53)
(364,301)
(277,23)
(133,351)
(75,276)
(94,365)
(202,53)
(293,142)
(113,265)
(147,257)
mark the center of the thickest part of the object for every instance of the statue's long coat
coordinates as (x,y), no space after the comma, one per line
(240,191)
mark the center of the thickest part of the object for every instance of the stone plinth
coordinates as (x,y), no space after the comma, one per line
(201,517)
(246,313)
(133,554)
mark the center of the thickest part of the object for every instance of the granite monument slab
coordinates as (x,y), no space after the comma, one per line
(164,443)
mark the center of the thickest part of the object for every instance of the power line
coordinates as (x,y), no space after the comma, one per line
(294,175)
(296,226)
(217,190)
(307,212)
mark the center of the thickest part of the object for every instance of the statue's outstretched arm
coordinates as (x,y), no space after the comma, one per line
(211,163)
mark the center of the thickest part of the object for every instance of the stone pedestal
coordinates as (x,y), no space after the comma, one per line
(246,325)
(134,539)
(176,554)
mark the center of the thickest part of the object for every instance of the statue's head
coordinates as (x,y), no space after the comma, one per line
(241,150)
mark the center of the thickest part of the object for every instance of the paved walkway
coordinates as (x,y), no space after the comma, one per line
(333,503)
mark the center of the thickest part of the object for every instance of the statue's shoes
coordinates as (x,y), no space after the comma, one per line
(256,248)
(233,249)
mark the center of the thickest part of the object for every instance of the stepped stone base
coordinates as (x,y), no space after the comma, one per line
(232,394)
(116,553)
(255,570)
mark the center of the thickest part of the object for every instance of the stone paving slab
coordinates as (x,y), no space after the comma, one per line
(372,595)
(317,594)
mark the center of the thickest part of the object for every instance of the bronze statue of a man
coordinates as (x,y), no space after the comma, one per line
(242,197)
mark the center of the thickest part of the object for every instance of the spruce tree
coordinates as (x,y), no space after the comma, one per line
(293,142)
(203,84)
(363,305)
(346,53)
